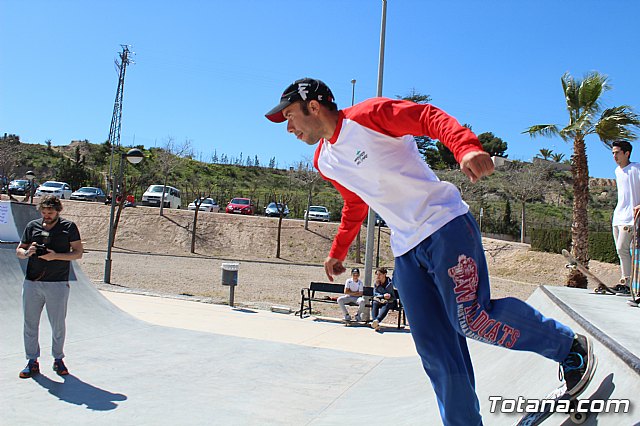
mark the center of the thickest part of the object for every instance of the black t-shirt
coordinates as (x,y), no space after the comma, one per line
(58,239)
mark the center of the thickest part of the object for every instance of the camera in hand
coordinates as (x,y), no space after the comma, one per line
(41,250)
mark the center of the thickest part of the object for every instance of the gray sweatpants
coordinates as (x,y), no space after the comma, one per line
(35,295)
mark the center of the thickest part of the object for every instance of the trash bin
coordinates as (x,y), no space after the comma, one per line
(230,278)
(230,274)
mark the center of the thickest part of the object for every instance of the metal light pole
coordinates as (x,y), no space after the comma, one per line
(358,240)
(371,220)
(30,177)
(134,156)
(378,246)
(290,176)
(353,91)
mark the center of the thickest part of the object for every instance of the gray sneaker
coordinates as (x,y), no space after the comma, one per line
(579,366)
(347,317)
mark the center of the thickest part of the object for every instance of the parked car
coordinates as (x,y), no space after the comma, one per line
(207,205)
(153,196)
(61,190)
(89,193)
(241,205)
(273,210)
(317,213)
(19,187)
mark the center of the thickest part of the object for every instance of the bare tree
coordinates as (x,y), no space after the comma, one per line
(9,153)
(308,176)
(168,158)
(281,201)
(194,187)
(125,190)
(526,182)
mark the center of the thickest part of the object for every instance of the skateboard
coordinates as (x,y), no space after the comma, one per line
(354,323)
(558,394)
(602,288)
(562,400)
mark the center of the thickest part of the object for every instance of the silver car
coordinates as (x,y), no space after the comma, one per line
(61,190)
(207,205)
(317,213)
(89,193)
(273,210)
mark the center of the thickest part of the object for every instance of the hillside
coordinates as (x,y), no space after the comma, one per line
(152,255)
(83,163)
(223,235)
(226,236)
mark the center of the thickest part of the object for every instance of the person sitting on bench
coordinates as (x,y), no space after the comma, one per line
(353,290)
(384,297)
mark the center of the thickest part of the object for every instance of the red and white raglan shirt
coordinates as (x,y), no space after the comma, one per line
(372,159)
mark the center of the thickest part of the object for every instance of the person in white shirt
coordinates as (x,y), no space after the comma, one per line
(369,154)
(353,290)
(628,183)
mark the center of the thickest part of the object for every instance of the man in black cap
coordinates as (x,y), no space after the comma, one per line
(368,153)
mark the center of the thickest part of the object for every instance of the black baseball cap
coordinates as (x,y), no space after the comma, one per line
(305,89)
(355,271)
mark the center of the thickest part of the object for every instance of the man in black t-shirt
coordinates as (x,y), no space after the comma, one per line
(50,244)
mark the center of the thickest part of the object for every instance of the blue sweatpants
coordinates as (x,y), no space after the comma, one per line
(444,285)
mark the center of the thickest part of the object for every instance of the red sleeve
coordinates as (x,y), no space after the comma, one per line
(399,118)
(354,211)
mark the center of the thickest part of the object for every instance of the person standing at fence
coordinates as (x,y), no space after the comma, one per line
(50,244)
(622,224)
(368,153)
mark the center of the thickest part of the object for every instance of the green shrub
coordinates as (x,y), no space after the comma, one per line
(601,245)
(550,240)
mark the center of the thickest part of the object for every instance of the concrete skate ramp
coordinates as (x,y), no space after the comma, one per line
(129,372)
(8,228)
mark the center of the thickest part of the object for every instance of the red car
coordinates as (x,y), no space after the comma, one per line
(241,205)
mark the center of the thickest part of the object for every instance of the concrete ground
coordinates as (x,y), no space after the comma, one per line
(138,360)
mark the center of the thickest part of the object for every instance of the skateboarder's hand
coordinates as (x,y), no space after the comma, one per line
(333,267)
(476,164)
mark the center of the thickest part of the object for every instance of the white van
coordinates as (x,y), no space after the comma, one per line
(153,195)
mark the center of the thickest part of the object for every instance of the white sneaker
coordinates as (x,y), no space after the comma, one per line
(375,324)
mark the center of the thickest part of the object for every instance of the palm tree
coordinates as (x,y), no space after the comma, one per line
(586,117)
(557,157)
(545,154)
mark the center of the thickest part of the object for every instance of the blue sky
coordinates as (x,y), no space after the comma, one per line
(207,71)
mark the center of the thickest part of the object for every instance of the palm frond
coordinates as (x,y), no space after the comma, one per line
(546,130)
(590,90)
(616,123)
(583,123)
(571,93)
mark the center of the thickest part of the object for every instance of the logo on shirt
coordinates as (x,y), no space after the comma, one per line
(360,157)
